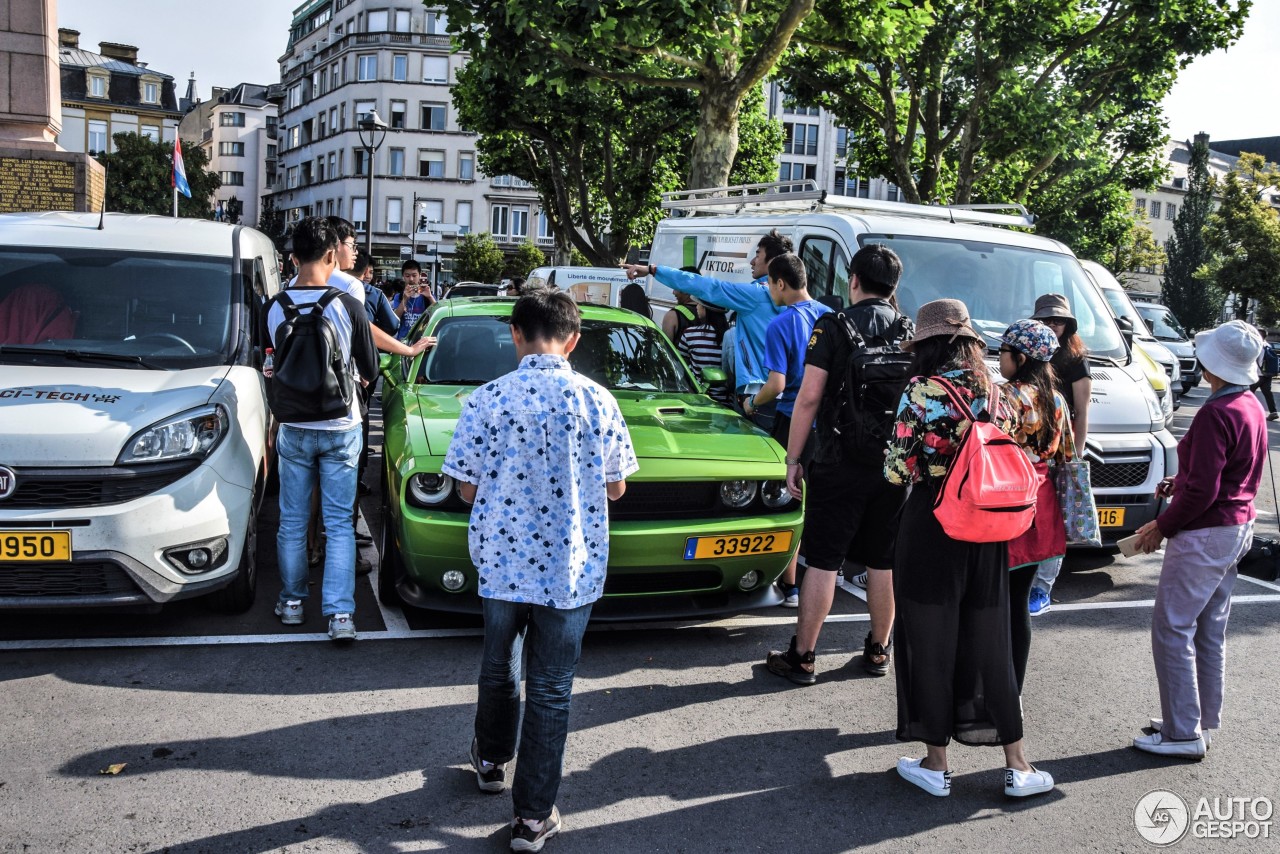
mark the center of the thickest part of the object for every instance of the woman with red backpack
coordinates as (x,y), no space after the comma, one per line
(955,664)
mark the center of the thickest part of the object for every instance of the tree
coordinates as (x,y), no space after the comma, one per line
(1197,304)
(140,178)
(718,51)
(271,223)
(1056,101)
(477,258)
(1137,251)
(1244,234)
(234,209)
(528,257)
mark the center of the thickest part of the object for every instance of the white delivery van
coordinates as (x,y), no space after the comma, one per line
(961,253)
(599,285)
(133,416)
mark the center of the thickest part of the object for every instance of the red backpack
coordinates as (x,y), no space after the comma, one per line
(989,492)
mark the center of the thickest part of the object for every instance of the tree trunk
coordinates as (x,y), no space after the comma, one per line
(563,254)
(716,143)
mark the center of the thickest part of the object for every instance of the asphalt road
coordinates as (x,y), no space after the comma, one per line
(238,736)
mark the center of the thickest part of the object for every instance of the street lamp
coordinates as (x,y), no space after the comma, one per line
(373,131)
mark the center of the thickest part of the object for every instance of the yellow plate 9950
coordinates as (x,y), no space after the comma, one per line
(34,546)
(737,545)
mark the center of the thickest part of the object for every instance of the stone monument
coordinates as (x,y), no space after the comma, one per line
(35,174)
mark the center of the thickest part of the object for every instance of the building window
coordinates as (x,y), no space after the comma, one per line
(367,67)
(396,163)
(150,93)
(364,108)
(97,86)
(437,23)
(499,219)
(467,166)
(1155,209)
(893,193)
(402,21)
(797,171)
(333,164)
(319,168)
(1170,211)
(231,149)
(231,120)
(839,183)
(800,139)
(519,223)
(294,99)
(398,110)
(333,120)
(1179,183)
(362,161)
(431,164)
(395,208)
(400,68)
(377,22)
(151,132)
(464,217)
(842,142)
(545,235)
(359,213)
(1140,206)
(232,179)
(790,105)
(435,69)
(324,126)
(97,136)
(291,179)
(433,116)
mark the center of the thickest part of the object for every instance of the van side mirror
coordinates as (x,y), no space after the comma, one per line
(1126,329)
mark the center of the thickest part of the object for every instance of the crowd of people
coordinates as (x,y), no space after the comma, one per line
(871,408)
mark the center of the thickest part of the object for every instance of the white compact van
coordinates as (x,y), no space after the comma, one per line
(133,416)
(961,253)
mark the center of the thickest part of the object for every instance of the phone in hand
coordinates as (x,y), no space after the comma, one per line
(1129,546)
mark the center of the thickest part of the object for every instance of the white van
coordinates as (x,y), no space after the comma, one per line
(946,252)
(600,285)
(133,416)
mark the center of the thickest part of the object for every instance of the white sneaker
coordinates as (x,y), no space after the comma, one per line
(859,581)
(1207,734)
(936,783)
(342,629)
(1020,784)
(790,597)
(290,612)
(1158,744)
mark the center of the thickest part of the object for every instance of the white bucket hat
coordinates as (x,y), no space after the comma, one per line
(1231,352)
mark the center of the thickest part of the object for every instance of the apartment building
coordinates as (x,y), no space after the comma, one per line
(349,58)
(111,92)
(237,128)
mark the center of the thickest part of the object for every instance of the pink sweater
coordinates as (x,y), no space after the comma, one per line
(1220,462)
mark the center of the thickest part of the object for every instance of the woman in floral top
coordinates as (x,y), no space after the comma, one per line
(1045,435)
(955,669)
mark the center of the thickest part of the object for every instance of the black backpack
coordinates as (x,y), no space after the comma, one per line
(856,419)
(311,380)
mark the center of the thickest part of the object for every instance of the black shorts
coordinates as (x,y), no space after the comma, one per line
(781,434)
(851,512)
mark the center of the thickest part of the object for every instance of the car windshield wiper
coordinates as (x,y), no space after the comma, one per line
(77,355)
(1107,360)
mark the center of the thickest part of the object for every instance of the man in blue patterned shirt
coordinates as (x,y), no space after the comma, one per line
(539,452)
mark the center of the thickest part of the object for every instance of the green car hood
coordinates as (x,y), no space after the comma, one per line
(662,426)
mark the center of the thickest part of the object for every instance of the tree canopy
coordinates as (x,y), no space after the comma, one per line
(477,258)
(719,52)
(1196,303)
(140,178)
(1054,104)
(1244,235)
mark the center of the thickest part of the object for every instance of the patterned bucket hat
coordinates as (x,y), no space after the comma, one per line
(1032,339)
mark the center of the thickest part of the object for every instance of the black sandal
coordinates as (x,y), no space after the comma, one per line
(790,664)
(876,650)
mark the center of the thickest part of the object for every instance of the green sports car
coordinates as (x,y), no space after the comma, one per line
(706,524)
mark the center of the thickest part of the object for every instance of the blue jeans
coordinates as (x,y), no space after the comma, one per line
(331,456)
(554,641)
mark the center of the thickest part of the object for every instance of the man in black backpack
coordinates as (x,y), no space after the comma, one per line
(854,374)
(318,333)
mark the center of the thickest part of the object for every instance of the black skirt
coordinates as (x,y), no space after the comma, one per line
(954,663)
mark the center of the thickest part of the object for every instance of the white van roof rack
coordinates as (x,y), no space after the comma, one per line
(805,197)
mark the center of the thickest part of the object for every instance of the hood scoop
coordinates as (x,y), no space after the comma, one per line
(671,410)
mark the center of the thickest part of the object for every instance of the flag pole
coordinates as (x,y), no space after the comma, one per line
(175,202)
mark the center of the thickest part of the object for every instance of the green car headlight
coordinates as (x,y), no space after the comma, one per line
(429,490)
(737,493)
(774,494)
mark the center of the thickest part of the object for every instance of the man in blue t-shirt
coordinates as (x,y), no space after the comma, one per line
(415,300)
(785,341)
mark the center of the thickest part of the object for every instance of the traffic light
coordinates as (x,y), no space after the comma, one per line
(422,223)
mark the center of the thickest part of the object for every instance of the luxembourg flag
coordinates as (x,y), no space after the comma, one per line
(180,170)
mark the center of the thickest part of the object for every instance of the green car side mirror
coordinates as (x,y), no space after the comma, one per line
(714,376)
(385,362)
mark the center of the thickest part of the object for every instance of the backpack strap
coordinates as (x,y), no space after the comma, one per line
(956,399)
(287,305)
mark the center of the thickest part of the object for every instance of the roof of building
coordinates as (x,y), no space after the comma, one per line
(1267,146)
(74,57)
(248,94)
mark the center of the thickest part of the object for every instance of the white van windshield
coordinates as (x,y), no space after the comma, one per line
(104,308)
(999,284)
(1162,322)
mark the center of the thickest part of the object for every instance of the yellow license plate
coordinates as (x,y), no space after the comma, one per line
(737,545)
(1110,517)
(33,546)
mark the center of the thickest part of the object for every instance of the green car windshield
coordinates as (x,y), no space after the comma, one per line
(472,350)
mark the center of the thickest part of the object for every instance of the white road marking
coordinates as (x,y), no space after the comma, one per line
(740,622)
